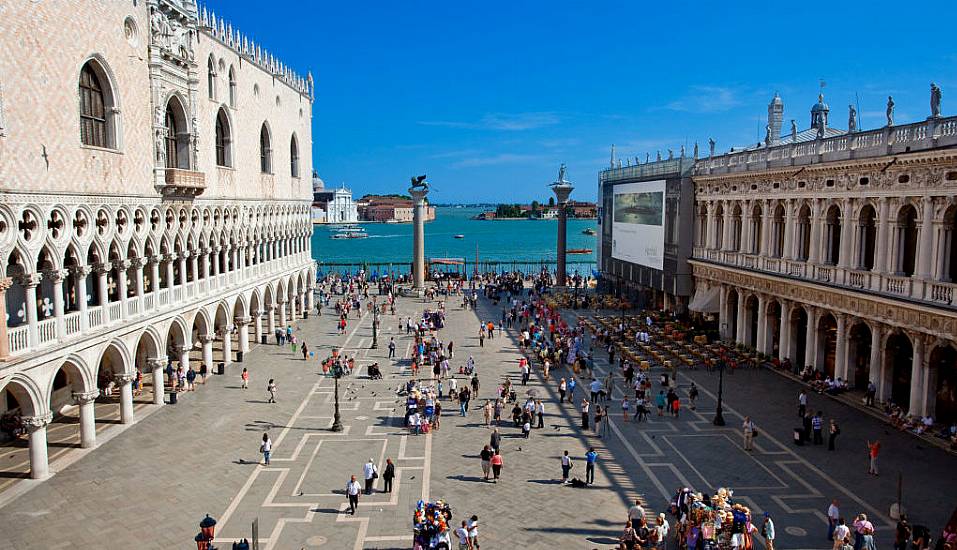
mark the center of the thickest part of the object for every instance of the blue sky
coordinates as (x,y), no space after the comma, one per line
(489,97)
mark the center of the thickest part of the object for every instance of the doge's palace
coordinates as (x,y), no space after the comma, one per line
(154,203)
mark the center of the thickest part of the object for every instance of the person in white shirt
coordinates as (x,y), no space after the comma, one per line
(370,473)
(463,535)
(833,514)
(473,531)
(352,491)
(636,512)
(841,534)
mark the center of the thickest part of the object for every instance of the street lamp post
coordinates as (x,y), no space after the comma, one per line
(336,417)
(375,326)
(718,414)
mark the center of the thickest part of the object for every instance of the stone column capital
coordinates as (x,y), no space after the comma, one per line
(137,263)
(241,321)
(85,397)
(81,270)
(29,280)
(187,347)
(36,422)
(103,267)
(123,378)
(157,362)
(122,265)
(224,331)
(55,276)
(206,338)
(5,283)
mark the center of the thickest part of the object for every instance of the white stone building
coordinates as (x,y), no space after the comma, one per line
(340,208)
(154,201)
(836,249)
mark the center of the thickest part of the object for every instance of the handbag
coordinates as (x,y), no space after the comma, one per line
(754,433)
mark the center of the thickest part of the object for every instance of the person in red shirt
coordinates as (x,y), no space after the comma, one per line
(873,449)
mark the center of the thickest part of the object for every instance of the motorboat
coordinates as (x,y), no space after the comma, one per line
(349,232)
(458,236)
(588,231)
(579,251)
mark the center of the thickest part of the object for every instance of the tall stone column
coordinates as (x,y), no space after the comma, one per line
(874,371)
(916,405)
(562,189)
(207,341)
(184,355)
(102,286)
(155,276)
(125,382)
(85,400)
(36,426)
(243,324)
(711,224)
(418,236)
(925,251)
(847,234)
(30,283)
(271,321)
(121,290)
(883,237)
(258,325)
(170,283)
(814,255)
(282,314)
(762,344)
(723,316)
(810,339)
(56,279)
(840,351)
(226,333)
(788,251)
(784,347)
(159,388)
(5,283)
(138,264)
(80,274)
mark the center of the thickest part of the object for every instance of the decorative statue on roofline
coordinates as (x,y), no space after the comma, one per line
(418,182)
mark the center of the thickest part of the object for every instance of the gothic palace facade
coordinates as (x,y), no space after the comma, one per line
(154,201)
(836,249)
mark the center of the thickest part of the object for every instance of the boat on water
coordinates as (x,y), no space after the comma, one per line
(349,232)
(458,236)
(579,251)
(588,231)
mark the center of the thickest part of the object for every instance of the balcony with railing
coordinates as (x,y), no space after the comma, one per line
(891,285)
(178,183)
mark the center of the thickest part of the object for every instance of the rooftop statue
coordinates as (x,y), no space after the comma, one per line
(794,131)
(851,119)
(890,110)
(934,100)
(711,147)
(561,173)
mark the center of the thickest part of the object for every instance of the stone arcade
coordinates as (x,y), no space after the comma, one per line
(154,202)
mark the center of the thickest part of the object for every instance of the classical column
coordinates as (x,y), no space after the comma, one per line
(183,256)
(883,237)
(206,262)
(5,283)
(121,289)
(810,339)
(926,250)
(125,382)
(271,320)
(184,354)
(29,283)
(874,371)
(784,347)
(194,264)
(138,264)
(207,341)
(170,283)
(243,324)
(36,426)
(155,276)
(80,273)
(726,243)
(310,298)
(216,250)
(102,284)
(85,400)
(226,333)
(814,256)
(282,314)
(56,278)
(723,316)
(258,325)
(840,352)
(159,388)
(762,344)
(711,238)
(788,252)
(739,323)
(766,217)
(847,234)
(916,375)
(747,230)
(418,236)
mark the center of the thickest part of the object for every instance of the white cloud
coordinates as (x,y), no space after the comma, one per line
(493,160)
(706,99)
(501,121)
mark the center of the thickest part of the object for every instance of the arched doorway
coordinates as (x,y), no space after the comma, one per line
(732,310)
(773,335)
(832,236)
(943,366)
(223,350)
(866,238)
(798,337)
(110,382)
(899,353)
(859,355)
(826,344)
(19,397)
(146,357)
(906,241)
(70,388)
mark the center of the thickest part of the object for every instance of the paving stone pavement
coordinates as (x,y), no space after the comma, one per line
(149,486)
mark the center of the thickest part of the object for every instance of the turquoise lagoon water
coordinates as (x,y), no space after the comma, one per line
(530,241)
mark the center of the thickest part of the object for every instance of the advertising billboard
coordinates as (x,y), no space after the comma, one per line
(638,223)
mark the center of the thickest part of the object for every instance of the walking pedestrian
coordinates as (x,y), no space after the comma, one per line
(391,347)
(591,457)
(473,531)
(388,475)
(693,395)
(767,531)
(562,388)
(802,403)
(487,412)
(266,448)
(486,457)
(585,415)
(841,535)
(245,378)
(352,492)
(624,408)
(566,466)
(370,473)
(540,411)
(305,352)
(495,440)
(271,388)
(748,428)
(462,533)
(817,426)
(571,389)
(873,449)
(833,514)
(832,432)
(497,464)
(599,416)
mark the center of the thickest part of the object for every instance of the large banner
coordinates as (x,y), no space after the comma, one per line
(638,223)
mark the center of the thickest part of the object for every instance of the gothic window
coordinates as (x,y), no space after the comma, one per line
(866,238)
(265,151)
(232,87)
(803,230)
(757,226)
(777,233)
(94,105)
(176,141)
(294,157)
(832,236)
(223,140)
(906,241)
(211,77)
